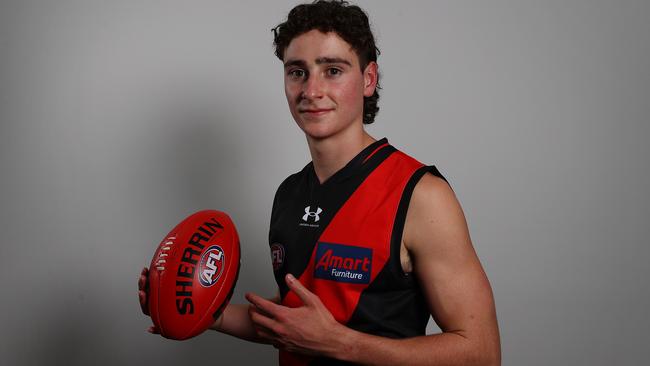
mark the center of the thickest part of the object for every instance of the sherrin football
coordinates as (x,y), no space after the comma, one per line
(193,274)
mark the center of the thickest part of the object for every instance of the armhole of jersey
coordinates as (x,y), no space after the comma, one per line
(400,218)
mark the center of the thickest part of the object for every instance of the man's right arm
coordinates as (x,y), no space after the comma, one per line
(235,319)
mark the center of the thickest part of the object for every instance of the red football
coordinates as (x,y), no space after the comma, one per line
(193,273)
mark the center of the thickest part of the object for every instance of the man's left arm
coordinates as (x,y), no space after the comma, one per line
(452,280)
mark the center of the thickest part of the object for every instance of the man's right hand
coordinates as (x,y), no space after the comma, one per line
(238,324)
(143,289)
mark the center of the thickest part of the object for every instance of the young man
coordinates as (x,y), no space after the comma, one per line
(366,242)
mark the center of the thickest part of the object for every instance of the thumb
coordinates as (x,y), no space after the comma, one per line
(303,293)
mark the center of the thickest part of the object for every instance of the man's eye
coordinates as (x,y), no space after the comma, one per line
(296,73)
(333,72)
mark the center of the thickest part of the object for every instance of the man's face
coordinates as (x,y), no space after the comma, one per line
(324,85)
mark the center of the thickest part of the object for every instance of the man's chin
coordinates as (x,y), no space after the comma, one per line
(322,129)
(318,133)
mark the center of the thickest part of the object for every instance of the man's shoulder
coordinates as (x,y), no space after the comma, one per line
(433,206)
(432,187)
(407,158)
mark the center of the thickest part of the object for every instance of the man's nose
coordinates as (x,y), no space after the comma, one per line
(313,87)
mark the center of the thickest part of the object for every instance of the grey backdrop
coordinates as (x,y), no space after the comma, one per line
(120,118)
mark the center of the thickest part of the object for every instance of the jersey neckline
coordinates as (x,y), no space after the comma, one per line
(351,167)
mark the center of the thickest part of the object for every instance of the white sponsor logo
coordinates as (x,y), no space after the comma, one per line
(314,214)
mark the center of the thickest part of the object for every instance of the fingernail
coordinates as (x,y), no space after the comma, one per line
(290,278)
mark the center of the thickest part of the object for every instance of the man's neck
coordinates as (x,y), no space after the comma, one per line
(333,153)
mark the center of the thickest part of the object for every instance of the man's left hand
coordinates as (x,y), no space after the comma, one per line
(310,329)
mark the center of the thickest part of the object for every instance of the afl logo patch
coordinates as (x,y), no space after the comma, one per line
(277,256)
(211,266)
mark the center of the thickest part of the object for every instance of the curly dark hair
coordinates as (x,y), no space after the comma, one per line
(349,22)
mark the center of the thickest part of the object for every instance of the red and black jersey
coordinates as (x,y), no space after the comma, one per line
(342,239)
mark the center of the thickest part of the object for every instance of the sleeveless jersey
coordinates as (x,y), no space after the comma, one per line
(342,239)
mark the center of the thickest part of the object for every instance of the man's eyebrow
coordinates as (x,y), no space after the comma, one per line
(319,61)
(332,60)
(294,63)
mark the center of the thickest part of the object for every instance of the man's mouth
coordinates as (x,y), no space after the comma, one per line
(315,111)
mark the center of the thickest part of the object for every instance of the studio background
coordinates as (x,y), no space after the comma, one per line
(120,118)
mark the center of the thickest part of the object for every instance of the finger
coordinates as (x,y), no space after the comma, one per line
(142,296)
(253,308)
(254,317)
(261,320)
(153,330)
(267,337)
(266,334)
(266,306)
(142,280)
(303,293)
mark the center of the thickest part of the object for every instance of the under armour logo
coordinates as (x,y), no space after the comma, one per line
(315,215)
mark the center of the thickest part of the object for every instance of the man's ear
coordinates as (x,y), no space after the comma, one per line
(370,78)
